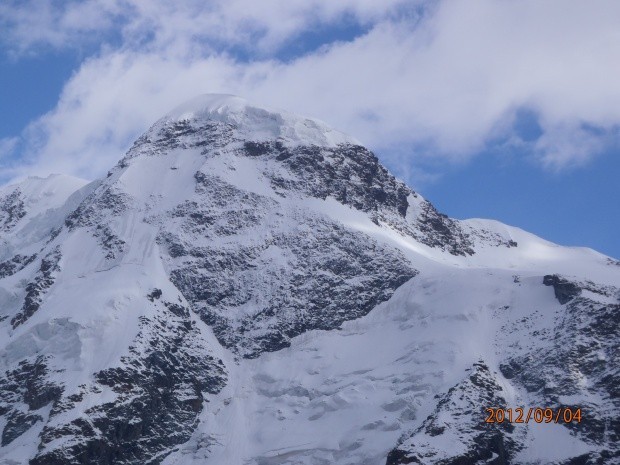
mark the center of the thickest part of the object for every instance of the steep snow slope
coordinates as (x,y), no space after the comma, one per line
(249,286)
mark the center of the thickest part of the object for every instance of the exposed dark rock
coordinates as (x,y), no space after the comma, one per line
(340,275)
(585,459)
(510,369)
(110,241)
(349,173)
(36,289)
(11,210)
(17,424)
(154,295)
(103,202)
(28,384)
(256,149)
(564,289)
(15,264)
(95,212)
(398,457)
(442,232)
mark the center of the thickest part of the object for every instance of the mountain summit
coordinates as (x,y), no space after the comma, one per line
(258,123)
(248,286)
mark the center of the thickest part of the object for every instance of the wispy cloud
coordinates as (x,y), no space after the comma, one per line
(7,146)
(443,79)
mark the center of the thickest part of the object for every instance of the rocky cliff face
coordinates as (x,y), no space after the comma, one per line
(250,286)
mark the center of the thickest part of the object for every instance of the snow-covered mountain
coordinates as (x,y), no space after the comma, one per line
(247,286)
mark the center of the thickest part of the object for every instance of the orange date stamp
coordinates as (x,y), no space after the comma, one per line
(533,414)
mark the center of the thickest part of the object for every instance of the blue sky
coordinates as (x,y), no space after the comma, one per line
(504,110)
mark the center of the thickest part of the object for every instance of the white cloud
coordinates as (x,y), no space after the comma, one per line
(445,82)
(259,25)
(567,146)
(27,23)
(7,146)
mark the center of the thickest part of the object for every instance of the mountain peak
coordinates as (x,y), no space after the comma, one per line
(246,269)
(258,123)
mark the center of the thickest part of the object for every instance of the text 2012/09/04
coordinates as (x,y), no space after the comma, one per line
(535,414)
